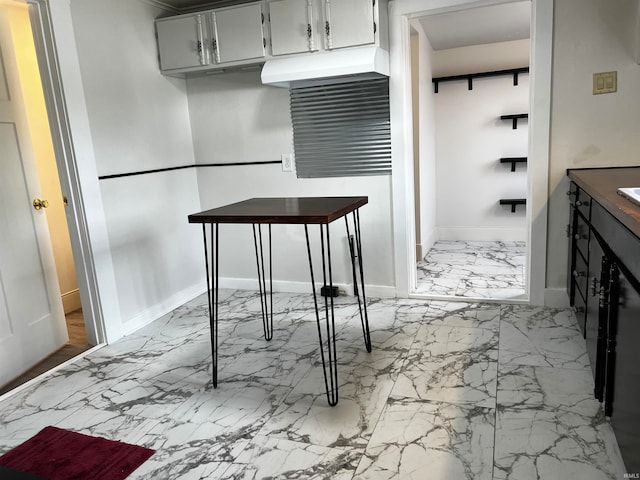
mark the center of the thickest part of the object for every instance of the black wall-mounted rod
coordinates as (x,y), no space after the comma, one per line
(514,118)
(168,169)
(513,161)
(470,76)
(513,202)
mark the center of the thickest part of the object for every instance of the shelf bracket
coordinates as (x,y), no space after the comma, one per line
(513,202)
(513,161)
(515,118)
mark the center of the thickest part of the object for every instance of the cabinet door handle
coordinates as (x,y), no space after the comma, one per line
(200,42)
(569,193)
(603,297)
(577,274)
(312,44)
(580,203)
(579,236)
(327,24)
(214,40)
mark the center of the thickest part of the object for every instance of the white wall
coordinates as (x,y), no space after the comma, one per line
(589,130)
(426,173)
(470,139)
(236,119)
(139,120)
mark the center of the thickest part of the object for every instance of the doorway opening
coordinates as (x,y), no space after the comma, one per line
(471,226)
(24,86)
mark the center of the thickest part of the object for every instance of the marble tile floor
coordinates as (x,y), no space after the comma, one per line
(450,391)
(480,270)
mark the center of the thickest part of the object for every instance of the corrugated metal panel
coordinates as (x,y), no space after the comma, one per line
(342,129)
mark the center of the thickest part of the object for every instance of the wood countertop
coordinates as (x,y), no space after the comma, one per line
(602,185)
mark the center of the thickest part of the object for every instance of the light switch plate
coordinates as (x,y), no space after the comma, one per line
(287,162)
(605,82)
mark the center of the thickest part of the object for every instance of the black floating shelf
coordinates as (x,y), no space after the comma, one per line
(470,76)
(513,161)
(513,202)
(514,118)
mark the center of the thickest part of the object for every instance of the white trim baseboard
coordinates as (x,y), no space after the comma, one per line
(556,298)
(156,311)
(382,291)
(474,234)
(71,301)
(153,313)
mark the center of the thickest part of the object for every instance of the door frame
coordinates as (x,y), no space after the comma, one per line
(70,132)
(400,12)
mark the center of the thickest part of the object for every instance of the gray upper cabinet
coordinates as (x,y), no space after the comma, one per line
(238,33)
(181,42)
(349,23)
(293,26)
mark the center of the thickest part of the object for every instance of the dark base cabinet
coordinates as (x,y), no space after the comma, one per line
(603,287)
(624,380)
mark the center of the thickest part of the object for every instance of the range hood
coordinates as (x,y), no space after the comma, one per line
(325,67)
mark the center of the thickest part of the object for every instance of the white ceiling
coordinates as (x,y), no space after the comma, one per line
(478,26)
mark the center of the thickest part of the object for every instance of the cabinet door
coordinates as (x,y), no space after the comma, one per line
(624,382)
(349,23)
(292,27)
(238,33)
(181,42)
(596,314)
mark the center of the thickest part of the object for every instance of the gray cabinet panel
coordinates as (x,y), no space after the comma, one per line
(238,33)
(181,42)
(293,27)
(350,23)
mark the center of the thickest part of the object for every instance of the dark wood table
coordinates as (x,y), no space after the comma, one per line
(305,211)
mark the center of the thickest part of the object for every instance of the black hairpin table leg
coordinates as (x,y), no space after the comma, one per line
(266,306)
(212,294)
(356,250)
(329,358)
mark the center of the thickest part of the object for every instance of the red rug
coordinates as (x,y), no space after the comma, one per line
(64,455)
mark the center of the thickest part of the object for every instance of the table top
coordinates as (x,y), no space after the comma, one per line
(283,210)
(603,183)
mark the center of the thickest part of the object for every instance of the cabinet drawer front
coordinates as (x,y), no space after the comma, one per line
(583,203)
(580,310)
(581,236)
(579,274)
(625,245)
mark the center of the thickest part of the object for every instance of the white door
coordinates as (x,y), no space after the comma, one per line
(32,321)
